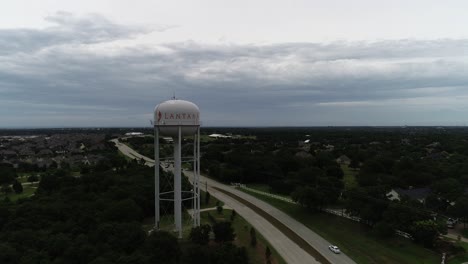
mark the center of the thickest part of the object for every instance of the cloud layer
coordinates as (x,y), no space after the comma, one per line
(82,71)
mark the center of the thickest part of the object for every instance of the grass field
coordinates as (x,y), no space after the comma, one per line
(267,189)
(356,240)
(28,190)
(349,178)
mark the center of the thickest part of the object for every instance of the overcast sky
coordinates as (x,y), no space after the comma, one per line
(244,63)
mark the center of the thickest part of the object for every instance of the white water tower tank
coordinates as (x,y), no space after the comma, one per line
(171,114)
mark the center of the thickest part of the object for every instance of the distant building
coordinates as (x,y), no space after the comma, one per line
(343,159)
(303,154)
(329,147)
(130,134)
(219,136)
(419,194)
(168,139)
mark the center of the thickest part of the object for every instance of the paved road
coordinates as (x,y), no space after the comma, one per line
(131,153)
(289,250)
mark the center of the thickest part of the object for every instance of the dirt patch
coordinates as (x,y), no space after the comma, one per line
(282,227)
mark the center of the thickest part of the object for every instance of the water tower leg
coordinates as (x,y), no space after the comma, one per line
(156,179)
(178,184)
(198,175)
(194,190)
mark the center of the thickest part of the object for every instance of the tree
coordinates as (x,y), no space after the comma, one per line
(200,234)
(253,237)
(223,232)
(307,196)
(17,187)
(334,171)
(233,215)
(426,231)
(354,164)
(267,253)
(162,247)
(7,174)
(368,203)
(228,253)
(6,189)
(122,237)
(122,211)
(195,254)
(219,209)
(64,165)
(8,254)
(460,209)
(49,183)
(207,198)
(401,216)
(448,189)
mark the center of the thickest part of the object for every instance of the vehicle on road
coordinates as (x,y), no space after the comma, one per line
(334,249)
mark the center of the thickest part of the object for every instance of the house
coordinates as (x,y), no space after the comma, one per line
(434,145)
(219,136)
(8,153)
(329,147)
(133,134)
(45,152)
(343,159)
(26,153)
(303,154)
(168,139)
(419,194)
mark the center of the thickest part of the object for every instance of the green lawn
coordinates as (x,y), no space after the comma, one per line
(349,178)
(260,187)
(266,188)
(459,259)
(28,190)
(355,239)
(22,179)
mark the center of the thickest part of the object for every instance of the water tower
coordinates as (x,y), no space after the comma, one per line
(178,119)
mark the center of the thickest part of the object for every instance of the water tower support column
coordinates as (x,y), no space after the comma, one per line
(178,183)
(156,180)
(195,186)
(198,176)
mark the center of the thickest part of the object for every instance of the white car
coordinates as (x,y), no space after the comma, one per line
(334,249)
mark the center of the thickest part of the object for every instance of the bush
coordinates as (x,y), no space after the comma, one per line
(223,232)
(253,237)
(200,234)
(219,209)
(17,187)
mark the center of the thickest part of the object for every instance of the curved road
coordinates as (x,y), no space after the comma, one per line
(289,250)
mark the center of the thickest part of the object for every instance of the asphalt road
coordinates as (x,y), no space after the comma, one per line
(289,250)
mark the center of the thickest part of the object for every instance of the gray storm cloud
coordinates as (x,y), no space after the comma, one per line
(61,76)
